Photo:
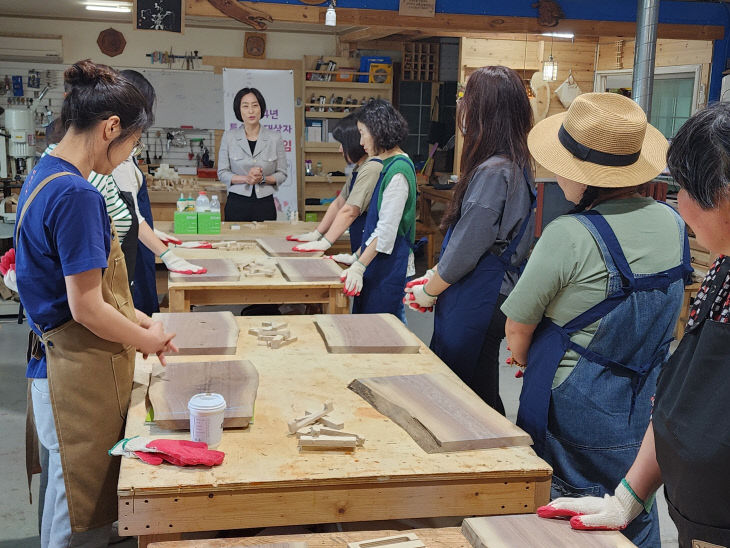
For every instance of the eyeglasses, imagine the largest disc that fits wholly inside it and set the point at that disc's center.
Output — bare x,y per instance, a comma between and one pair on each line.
138,148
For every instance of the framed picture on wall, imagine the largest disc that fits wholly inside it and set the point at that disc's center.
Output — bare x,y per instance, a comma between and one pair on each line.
166,15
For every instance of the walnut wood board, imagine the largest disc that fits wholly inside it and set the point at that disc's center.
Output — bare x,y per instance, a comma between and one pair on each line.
440,414
201,333
281,247
366,334
219,270
171,388
530,530
310,270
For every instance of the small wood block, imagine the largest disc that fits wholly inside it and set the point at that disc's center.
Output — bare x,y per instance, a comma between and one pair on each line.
439,412
281,247
329,424
530,530
296,424
310,270
366,334
171,388
406,540
201,333
219,270
328,441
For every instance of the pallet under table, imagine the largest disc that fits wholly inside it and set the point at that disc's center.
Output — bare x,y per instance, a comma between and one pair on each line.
266,481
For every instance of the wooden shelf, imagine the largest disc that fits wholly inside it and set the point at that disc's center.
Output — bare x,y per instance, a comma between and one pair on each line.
314,146
356,85
324,179
312,114
321,207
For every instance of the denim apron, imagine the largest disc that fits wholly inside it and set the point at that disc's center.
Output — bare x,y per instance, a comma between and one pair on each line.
144,289
590,427
464,310
358,225
385,277
691,430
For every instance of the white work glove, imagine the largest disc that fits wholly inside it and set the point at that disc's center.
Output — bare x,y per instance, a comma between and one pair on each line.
306,237
423,279
320,245
10,280
180,265
607,513
195,245
166,238
417,298
344,258
7,269
352,277
127,446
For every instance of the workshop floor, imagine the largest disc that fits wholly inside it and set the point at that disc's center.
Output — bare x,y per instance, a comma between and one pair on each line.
19,519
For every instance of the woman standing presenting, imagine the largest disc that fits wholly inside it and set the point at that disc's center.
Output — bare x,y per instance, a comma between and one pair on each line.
73,285
376,278
251,161
489,232
349,209
605,286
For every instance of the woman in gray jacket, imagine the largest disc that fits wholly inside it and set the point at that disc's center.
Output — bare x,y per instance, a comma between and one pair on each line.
251,161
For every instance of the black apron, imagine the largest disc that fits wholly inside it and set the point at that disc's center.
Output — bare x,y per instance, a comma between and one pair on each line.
692,428
129,244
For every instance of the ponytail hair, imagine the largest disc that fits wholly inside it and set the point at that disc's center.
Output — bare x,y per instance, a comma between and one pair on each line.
96,92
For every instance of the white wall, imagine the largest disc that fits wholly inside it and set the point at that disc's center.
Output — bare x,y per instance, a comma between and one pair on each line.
79,41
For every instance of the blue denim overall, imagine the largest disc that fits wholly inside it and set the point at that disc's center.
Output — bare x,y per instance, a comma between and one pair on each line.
358,225
384,279
464,310
590,427
144,289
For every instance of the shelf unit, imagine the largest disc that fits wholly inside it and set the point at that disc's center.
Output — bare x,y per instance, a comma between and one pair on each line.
323,186
420,62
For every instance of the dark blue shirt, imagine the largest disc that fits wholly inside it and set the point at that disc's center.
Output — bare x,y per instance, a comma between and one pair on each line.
65,231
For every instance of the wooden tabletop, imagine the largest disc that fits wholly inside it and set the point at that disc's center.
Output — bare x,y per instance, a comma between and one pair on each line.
247,231
435,195
266,480
443,537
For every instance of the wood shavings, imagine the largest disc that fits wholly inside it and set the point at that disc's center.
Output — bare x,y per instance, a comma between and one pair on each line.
272,334
256,268
321,432
232,245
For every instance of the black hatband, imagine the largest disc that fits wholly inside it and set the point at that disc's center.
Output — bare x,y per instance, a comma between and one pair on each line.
594,156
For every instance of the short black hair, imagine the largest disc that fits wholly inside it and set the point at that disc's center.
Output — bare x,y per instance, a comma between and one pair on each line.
387,126
239,96
142,84
699,156
349,137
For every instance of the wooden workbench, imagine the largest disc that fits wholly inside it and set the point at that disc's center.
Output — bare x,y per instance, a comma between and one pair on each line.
251,231
443,537
266,481
252,289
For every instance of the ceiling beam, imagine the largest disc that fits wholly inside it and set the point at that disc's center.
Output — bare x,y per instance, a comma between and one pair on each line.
366,34
455,24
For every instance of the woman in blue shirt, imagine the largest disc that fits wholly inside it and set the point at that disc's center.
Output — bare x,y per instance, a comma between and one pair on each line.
72,282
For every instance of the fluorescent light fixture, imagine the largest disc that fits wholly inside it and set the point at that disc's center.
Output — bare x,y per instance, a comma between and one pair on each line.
559,34
116,7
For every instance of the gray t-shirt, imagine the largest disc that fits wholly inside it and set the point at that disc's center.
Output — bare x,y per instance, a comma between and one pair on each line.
490,217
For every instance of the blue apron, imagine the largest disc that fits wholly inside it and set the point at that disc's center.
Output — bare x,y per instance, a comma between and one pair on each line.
144,289
590,427
358,225
464,310
384,279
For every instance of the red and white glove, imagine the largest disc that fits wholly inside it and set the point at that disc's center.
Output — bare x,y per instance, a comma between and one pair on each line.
195,245
422,280
352,277
306,237
344,258
7,269
180,265
594,513
417,298
166,238
320,245
177,452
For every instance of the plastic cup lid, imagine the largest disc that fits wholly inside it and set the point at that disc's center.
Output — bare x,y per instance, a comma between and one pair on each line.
207,401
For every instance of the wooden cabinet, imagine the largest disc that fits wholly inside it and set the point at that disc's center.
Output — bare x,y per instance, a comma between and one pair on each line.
420,62
329,96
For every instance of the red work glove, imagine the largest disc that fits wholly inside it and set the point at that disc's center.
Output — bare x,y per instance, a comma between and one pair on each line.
166,238
7,269
422,280
184,453
195,245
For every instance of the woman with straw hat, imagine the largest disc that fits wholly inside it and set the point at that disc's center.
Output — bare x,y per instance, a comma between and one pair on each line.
593,314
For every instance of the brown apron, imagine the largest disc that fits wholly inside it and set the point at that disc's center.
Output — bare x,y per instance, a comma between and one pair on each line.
90,381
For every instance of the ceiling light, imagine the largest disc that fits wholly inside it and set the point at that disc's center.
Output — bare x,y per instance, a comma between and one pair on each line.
559,34
116,7
330,18
550,70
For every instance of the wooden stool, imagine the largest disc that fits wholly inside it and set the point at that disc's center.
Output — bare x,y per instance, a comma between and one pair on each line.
431,234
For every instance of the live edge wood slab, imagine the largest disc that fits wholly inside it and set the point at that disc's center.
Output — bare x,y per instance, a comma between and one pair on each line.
366,333
441,414
310,270
266,480
201,333
218,270
281,247
530,530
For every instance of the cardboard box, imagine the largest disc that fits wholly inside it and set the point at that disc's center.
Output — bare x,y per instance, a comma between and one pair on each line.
310,217
186,222
380,73
209,222
365,63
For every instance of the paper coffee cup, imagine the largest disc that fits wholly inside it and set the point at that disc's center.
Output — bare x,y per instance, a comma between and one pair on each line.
206,418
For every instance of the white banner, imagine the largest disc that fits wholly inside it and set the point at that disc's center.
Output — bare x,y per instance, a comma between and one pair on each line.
277,87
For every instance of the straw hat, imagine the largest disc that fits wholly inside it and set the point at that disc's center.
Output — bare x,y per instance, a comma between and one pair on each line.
602,140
